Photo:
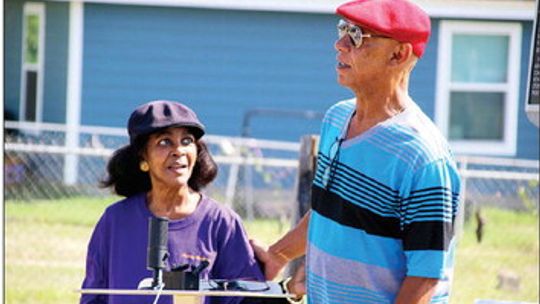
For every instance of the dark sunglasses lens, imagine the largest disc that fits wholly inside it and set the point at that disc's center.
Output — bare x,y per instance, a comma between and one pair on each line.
342,28
356,35
354,32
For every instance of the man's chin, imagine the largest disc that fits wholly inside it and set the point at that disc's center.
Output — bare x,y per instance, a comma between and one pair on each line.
343,82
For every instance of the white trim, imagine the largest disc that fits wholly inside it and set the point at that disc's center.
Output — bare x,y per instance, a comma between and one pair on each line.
468,9
533,111
479,87
482,12
74,88
501,175
31,8
498,161
508,146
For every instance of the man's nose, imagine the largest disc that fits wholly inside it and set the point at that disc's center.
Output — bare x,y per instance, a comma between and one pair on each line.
343,43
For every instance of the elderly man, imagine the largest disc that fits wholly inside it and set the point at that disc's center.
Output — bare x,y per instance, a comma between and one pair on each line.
385,194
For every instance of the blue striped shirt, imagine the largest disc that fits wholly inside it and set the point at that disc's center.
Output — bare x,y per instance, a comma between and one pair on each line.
383,208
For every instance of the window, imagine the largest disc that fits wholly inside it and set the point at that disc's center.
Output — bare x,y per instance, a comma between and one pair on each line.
477,86
32,61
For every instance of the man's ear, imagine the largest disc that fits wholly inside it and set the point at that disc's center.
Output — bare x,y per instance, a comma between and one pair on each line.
401,53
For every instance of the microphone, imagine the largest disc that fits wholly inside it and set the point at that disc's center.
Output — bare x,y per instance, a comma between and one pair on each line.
157,254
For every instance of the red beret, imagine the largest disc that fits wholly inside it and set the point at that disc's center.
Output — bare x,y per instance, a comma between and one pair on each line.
398,19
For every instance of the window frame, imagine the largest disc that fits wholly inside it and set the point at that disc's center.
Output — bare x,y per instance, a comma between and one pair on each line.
33,8
508,145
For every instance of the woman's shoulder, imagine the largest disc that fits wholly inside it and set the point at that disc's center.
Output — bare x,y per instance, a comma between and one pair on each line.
124,206
219,211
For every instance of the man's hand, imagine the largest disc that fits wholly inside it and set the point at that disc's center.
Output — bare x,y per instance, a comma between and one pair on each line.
416,290
273,262
297,284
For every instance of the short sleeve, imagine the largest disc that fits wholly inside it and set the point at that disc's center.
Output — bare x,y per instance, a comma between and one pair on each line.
235,258
96,273
428,215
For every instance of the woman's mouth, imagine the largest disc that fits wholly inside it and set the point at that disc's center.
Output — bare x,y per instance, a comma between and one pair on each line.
178,166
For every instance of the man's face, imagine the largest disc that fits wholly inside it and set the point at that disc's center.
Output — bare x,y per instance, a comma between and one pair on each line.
359,65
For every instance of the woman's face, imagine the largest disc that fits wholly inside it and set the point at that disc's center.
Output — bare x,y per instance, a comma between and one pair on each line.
171,155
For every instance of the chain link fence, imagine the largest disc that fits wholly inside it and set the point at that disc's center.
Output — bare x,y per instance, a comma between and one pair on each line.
257,178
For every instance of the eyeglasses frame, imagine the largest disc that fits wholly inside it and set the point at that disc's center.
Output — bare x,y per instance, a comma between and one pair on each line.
330,171
354,32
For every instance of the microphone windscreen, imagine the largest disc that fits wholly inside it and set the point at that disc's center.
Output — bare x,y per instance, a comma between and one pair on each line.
158,228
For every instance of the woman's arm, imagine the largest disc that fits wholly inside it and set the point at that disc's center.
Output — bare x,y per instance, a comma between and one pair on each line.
95,276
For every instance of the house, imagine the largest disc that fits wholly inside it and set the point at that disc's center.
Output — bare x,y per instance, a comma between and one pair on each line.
91,62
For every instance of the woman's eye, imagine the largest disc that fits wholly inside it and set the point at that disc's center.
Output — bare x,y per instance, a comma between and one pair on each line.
187,141
164,142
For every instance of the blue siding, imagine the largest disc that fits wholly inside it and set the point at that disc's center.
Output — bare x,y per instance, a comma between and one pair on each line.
12,55
528,136
55,65
220,62
55,61
424,76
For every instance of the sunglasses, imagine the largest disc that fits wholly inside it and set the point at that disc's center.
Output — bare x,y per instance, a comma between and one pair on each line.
329,172
355,33
238,285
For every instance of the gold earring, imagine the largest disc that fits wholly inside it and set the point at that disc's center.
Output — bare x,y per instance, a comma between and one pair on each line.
143,165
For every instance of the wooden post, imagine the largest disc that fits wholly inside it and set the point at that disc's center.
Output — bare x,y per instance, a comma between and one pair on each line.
309,147
460,218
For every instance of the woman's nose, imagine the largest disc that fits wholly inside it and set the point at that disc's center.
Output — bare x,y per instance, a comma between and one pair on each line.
179,150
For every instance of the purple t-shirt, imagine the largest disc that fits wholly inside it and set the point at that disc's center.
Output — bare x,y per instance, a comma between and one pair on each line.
117,251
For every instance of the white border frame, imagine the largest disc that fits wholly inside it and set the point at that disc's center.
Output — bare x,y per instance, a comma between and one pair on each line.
37,9
470,9
508,146
532,110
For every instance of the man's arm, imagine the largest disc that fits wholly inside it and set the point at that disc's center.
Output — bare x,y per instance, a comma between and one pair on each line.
291,246
416,290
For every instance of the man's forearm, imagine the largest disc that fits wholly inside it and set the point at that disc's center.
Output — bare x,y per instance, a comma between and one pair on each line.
293,244
416,290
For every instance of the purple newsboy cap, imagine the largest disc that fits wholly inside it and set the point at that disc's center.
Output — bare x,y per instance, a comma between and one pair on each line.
159,114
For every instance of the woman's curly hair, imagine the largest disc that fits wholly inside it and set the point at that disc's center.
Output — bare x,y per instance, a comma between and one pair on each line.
126,179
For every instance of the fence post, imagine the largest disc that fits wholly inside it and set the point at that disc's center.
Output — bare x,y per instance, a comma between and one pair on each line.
73,94
460,219
309,146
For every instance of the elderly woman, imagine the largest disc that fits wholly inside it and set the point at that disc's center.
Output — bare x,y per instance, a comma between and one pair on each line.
161,173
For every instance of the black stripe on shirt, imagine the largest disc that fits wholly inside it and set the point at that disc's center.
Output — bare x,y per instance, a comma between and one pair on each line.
429,235
334,207
420,235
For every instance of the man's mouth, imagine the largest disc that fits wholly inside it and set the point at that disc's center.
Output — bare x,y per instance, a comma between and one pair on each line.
341,65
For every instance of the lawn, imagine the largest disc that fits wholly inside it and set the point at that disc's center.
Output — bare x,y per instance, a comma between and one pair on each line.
509,248
45,245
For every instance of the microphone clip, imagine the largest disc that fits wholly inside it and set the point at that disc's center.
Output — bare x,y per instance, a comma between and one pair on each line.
180,278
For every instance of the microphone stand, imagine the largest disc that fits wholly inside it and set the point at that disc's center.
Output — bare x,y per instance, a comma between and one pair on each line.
157,249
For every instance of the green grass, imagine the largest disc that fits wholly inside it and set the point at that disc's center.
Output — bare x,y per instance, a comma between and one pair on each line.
509,245
45,248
